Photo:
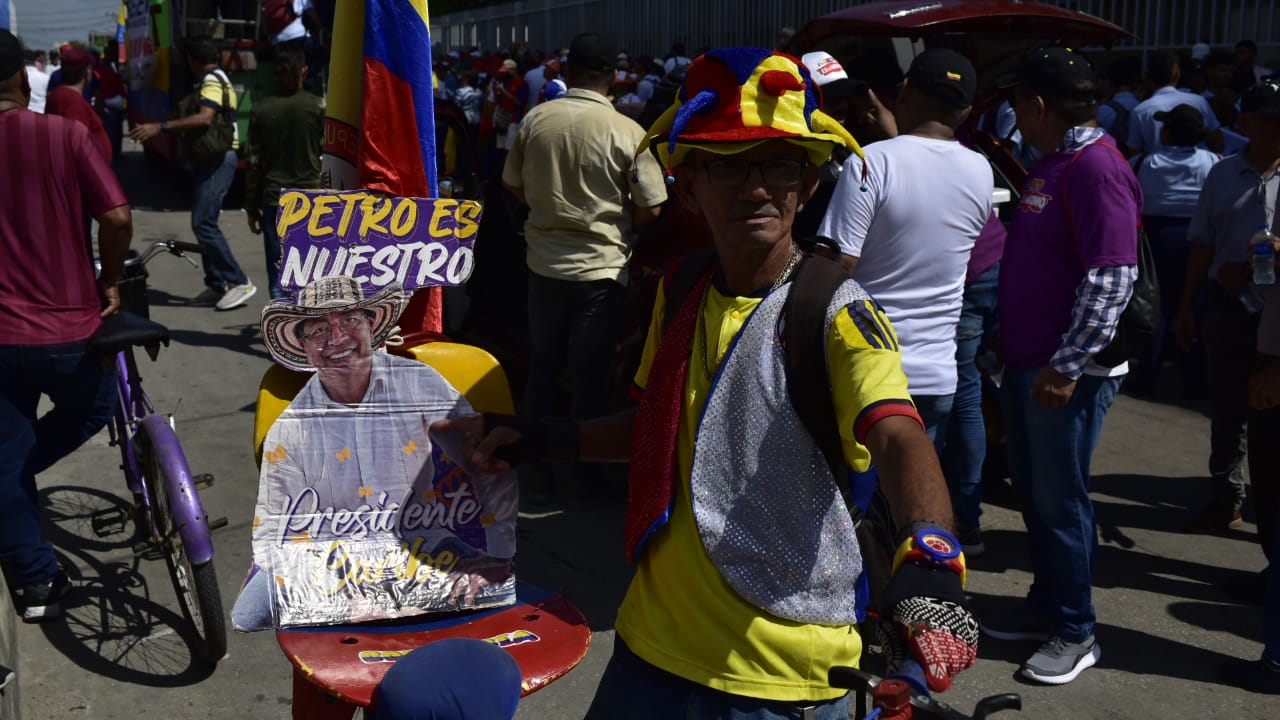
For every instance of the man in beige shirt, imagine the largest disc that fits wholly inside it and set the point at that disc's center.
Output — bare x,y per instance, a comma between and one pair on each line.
571,163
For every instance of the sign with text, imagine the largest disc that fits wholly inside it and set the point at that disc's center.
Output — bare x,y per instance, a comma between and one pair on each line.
378,239
364,513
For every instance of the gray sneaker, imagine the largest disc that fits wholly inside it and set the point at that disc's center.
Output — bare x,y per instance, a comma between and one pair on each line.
1058,662
236,296
1021,624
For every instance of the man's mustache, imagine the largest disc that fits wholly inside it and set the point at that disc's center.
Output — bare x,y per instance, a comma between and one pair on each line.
743,212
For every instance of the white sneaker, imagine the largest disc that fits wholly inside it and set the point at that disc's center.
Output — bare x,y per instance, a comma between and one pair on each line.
236,296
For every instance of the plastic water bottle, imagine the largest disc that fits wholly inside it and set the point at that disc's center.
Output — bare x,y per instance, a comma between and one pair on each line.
1251,297
1264,257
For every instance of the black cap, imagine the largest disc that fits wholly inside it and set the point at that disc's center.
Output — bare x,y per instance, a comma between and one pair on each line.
593,51
1054,73
944,75
1263,98
11,55
1184,123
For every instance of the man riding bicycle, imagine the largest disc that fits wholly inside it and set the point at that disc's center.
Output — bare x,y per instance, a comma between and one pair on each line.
747,558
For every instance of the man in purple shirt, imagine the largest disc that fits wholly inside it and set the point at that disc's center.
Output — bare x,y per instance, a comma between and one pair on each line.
1067,273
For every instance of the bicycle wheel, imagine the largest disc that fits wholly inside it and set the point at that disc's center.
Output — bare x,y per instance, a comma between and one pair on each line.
196,584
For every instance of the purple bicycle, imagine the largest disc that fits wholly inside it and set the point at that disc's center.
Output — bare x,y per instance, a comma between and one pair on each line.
167,513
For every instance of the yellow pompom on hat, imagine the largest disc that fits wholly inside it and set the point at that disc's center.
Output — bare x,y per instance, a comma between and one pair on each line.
736,98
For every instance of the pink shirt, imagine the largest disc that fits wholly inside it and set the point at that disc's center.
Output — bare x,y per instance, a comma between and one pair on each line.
53,177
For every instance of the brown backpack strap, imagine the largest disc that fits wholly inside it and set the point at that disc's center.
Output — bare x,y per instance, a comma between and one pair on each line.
808,380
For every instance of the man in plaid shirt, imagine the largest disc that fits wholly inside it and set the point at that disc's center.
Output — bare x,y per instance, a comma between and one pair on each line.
1067,273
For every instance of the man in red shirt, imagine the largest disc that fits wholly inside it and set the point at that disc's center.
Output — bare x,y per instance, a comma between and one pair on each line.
50,305
68,100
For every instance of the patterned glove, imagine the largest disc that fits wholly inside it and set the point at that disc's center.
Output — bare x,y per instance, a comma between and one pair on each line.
924,611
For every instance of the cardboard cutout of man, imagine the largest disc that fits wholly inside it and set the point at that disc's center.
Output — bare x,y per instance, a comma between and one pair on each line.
360,515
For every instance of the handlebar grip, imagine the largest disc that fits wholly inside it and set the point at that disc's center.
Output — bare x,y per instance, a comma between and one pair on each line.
849,678
185,246
996,703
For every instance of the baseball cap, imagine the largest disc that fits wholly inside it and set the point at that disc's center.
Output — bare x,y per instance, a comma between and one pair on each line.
1200,51
1054,72
10,55
593,51
1184,123
1263,98
829,75
75,58
944,75
508,66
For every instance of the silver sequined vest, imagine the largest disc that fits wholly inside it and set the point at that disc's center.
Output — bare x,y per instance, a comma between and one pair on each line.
769,513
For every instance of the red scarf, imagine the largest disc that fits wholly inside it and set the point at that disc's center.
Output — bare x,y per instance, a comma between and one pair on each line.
651,486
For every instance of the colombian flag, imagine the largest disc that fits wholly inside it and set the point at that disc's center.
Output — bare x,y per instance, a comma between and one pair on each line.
397,151
397,145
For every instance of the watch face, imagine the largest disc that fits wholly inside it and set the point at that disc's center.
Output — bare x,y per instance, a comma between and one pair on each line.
937,544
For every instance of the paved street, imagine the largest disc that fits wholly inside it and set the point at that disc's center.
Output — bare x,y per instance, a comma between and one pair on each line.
1166,623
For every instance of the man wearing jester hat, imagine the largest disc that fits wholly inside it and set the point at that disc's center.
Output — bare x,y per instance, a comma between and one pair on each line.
747,589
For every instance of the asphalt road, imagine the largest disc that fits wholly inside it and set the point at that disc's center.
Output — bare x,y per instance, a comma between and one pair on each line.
1166,623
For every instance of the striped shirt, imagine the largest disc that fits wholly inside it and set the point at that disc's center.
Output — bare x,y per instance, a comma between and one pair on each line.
52,177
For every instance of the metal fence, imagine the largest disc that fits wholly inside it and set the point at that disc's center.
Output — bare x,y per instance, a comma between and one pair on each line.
651,26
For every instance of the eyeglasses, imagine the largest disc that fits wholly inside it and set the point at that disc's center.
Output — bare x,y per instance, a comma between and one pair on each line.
732,172
322,333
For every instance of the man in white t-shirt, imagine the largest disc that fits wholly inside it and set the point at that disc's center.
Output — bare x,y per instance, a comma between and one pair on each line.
907,238
39,81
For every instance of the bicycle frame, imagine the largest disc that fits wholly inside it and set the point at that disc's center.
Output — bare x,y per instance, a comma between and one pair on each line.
135,414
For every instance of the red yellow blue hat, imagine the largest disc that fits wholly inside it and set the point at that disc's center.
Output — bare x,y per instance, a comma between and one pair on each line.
735,98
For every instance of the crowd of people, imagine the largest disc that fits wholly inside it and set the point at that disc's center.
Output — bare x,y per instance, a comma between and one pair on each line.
937,297
1178,156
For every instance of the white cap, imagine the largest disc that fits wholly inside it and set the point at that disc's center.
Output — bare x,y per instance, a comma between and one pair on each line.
823,68
1200,51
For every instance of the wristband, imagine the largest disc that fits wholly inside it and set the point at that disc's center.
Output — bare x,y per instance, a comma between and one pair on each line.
164,126
932,547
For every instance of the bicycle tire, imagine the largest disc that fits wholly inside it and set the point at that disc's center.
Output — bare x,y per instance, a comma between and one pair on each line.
196,585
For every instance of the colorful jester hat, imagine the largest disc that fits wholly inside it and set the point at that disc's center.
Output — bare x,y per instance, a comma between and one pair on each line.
736,98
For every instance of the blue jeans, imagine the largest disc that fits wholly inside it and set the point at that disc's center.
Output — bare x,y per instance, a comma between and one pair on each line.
221,270
1049,455
934,411
632,689
1170,249
271,249
966,437
83,396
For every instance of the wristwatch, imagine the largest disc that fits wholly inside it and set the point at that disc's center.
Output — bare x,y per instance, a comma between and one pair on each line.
934,548
164,126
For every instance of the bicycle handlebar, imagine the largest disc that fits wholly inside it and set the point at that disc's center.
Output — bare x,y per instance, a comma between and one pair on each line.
177,248
905,695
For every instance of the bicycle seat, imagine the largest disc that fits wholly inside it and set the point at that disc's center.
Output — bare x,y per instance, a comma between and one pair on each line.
124,329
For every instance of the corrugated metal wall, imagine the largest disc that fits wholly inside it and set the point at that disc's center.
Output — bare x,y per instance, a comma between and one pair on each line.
650,26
